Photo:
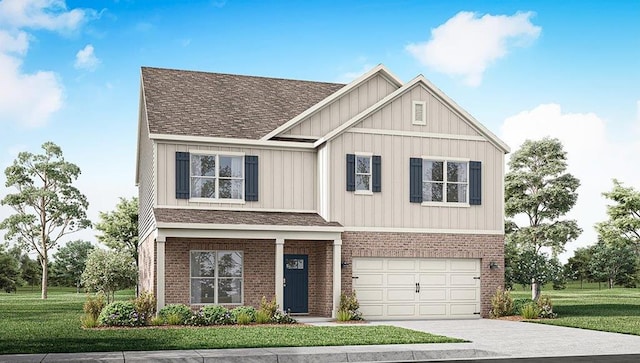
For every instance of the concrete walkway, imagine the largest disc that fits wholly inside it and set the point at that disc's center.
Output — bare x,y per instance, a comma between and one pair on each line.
489,339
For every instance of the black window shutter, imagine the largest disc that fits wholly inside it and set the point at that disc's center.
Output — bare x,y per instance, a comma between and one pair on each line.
351,172
475,183
376,171
251,178
415,180
182,175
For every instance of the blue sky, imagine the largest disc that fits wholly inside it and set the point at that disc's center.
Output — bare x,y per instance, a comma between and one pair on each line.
69,73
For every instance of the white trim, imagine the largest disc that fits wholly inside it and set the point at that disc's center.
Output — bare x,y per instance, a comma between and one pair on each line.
363,192
423,230
231,208
337,276
446,204
334,96
215,152
323,181
423,120
303,137
217,200
279,275
429,135
230,141
247,227
249,234
160,272
444,158
501,192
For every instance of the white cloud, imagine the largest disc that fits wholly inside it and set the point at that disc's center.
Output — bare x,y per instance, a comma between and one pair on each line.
594,157
31,98
347,77
466,44
86,59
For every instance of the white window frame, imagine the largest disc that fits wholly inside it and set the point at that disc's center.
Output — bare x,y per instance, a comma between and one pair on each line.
217,154
445,160
216,278
423,120
370,173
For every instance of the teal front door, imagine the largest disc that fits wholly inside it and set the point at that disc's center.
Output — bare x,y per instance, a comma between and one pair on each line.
296,283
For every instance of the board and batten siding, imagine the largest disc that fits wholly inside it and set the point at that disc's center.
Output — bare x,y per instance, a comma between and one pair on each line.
146,195
344,108
287,178
391,207
397,115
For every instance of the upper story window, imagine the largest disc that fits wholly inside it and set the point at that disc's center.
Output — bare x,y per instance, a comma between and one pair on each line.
217,176
419,113
445,181
363,173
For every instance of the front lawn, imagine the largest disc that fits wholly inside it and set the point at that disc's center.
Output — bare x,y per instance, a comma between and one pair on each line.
30,325
616,310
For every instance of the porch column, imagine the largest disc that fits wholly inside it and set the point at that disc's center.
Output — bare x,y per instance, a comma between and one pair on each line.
280,272
160,241
337,275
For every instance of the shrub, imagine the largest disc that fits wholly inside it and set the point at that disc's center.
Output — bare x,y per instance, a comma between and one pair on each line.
216,315
282,318
530,311
250,311
262,317
145,305
243,318
156,321
93,305
181,314
518,304
349,303
501,303
89,321
545,308
120,313
269,307
343,315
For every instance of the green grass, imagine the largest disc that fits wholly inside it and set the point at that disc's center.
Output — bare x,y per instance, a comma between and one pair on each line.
616,310
31,325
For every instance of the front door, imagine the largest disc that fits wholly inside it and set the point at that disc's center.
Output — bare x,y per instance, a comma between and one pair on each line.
296,283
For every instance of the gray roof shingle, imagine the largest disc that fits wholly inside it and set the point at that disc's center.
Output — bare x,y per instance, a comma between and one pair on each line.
193,103
168,215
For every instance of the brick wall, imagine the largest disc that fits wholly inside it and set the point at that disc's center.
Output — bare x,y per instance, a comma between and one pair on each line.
375,244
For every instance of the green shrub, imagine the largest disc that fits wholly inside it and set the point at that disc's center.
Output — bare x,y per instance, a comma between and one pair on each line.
545,307
120,313
145,305
250,311
156,321
518,304
343,315
182,314
349,303
282,318
501,303
243,318
269,307
215,315
93,305
89,321
530,311
262,317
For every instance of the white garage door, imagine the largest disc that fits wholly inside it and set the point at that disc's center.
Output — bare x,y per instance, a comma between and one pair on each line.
417,288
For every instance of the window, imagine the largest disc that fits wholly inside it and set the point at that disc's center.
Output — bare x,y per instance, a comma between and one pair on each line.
363,173
445,181
216,277
217,176
418,113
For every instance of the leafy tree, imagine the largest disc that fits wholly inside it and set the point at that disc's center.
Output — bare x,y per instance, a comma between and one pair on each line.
70,262
47,206
109,271
614,263
120,228
539,188
578,267
624,216
9,271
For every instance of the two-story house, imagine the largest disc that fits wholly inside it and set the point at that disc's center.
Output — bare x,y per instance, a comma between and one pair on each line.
253,186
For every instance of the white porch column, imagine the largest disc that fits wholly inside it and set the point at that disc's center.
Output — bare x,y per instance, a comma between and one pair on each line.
160,280
280,272
337,275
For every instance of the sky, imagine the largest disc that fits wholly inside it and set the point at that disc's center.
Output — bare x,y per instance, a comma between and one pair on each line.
70,73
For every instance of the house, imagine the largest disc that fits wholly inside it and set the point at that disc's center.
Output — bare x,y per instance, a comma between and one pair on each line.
253,186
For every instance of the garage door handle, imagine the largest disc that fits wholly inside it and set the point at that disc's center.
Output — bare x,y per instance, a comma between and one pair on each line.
417,287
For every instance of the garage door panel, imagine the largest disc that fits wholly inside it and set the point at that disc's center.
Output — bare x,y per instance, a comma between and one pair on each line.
433,279
401,264
432,265
401,310
433,310
401,294
427,294
394,279
372,311
464,294
367,295
368,264
369,280
464,265
464,280
463,309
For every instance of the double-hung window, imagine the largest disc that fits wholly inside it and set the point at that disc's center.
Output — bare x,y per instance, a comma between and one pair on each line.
216,277
363,173
445,181
217,176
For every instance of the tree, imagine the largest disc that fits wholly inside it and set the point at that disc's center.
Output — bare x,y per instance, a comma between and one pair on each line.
578,267
539,188
47,205
120,228
624,216
70,262
9,271
614,263
109,271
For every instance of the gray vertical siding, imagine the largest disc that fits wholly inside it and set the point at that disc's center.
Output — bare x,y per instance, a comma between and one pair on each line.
146,192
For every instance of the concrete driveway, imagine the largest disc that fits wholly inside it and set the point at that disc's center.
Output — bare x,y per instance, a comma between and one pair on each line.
519,339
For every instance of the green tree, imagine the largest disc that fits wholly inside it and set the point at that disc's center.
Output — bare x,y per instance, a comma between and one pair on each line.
47,206
578,267
539,188
109,271
120,228
9,271
624,216
70,261
615,263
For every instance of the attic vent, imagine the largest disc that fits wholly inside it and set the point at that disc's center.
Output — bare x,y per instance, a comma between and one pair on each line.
419,113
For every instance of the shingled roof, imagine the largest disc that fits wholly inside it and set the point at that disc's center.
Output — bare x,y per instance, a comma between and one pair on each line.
168,215
224,105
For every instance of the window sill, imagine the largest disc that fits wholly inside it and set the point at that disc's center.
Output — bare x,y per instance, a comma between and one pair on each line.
444,204
363,192
221,201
